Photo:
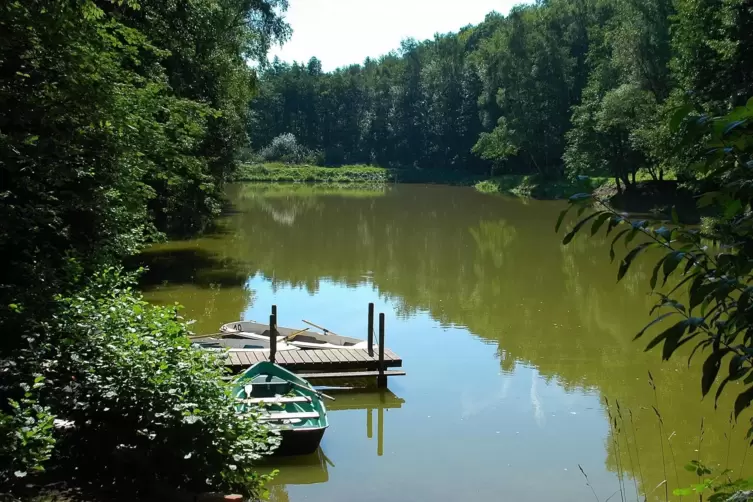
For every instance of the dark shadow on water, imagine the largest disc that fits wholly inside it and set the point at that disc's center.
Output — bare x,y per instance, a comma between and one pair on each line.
186,266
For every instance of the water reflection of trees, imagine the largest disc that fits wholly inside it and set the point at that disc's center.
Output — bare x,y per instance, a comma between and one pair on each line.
495,266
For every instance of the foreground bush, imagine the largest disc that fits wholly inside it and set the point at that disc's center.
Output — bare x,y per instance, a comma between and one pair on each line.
139,403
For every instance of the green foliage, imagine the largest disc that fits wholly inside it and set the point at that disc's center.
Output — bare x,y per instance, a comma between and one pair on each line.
139,403
276,172
121,119
26,432
562,88
711,295
538,187
285,148
721,487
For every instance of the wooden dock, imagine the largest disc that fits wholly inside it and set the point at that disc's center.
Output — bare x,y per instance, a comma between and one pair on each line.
326,363
306,361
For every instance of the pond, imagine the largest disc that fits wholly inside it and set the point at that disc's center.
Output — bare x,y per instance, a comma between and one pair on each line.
510,341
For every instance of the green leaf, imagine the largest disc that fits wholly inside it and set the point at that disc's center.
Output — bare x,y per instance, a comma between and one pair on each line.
732,207
613,223
730,127
743,401
671,263
655,273
614,241
576,229
673,332
736,370
679,115
707,199
682,492
664,232
561,219
652,323
599,222
625,264
711,369
580,197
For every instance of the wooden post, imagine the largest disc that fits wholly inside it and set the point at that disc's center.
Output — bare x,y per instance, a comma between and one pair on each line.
381,379
272,337
370,335
274,310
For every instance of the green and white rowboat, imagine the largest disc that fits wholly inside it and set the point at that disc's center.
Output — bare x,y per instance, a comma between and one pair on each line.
287,403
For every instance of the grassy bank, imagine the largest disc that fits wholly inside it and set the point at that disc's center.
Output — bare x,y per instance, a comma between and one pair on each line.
281,173
538,188
278,172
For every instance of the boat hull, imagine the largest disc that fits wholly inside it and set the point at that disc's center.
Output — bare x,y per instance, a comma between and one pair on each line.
286,403
299,441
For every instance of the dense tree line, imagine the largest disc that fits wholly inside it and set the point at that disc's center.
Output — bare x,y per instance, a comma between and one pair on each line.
574,87
118,120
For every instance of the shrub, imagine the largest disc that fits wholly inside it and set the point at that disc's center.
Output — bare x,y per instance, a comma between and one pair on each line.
144,405
26,440
285,148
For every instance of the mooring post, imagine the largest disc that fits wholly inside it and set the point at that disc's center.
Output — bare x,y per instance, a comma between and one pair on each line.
272,336
274,310
381,379
369,423
370,335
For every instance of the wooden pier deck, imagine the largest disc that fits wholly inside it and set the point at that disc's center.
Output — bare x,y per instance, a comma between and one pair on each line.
306,361
326,363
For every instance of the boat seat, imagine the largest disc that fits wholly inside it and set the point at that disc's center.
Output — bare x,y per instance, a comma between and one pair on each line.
273,417
275,400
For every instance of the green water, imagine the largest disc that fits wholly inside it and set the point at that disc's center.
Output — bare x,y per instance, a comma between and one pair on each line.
510,341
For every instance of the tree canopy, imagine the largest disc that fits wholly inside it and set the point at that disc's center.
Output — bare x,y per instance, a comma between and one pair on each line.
562,87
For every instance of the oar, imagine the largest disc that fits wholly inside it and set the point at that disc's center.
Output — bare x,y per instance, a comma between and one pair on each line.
320,394
326,331
290,337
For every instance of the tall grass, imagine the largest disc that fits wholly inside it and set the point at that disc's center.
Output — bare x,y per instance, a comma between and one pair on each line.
624,441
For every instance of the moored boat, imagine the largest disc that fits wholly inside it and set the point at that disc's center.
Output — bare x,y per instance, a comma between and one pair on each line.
239,341
286,402
301,338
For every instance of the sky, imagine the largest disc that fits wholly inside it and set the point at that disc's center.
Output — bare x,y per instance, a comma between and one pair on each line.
343,32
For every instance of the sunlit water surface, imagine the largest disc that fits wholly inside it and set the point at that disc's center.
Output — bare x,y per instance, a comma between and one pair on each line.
510,340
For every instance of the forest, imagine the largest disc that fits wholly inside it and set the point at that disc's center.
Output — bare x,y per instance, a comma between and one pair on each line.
555,88
119,121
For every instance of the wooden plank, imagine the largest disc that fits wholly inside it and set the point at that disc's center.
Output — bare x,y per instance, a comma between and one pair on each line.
362,355
349,374
337,355
296,356
243,359
282,358
232,360
348,355
287,416
390,353
326,356
314,356
275,400
305,356
357,355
